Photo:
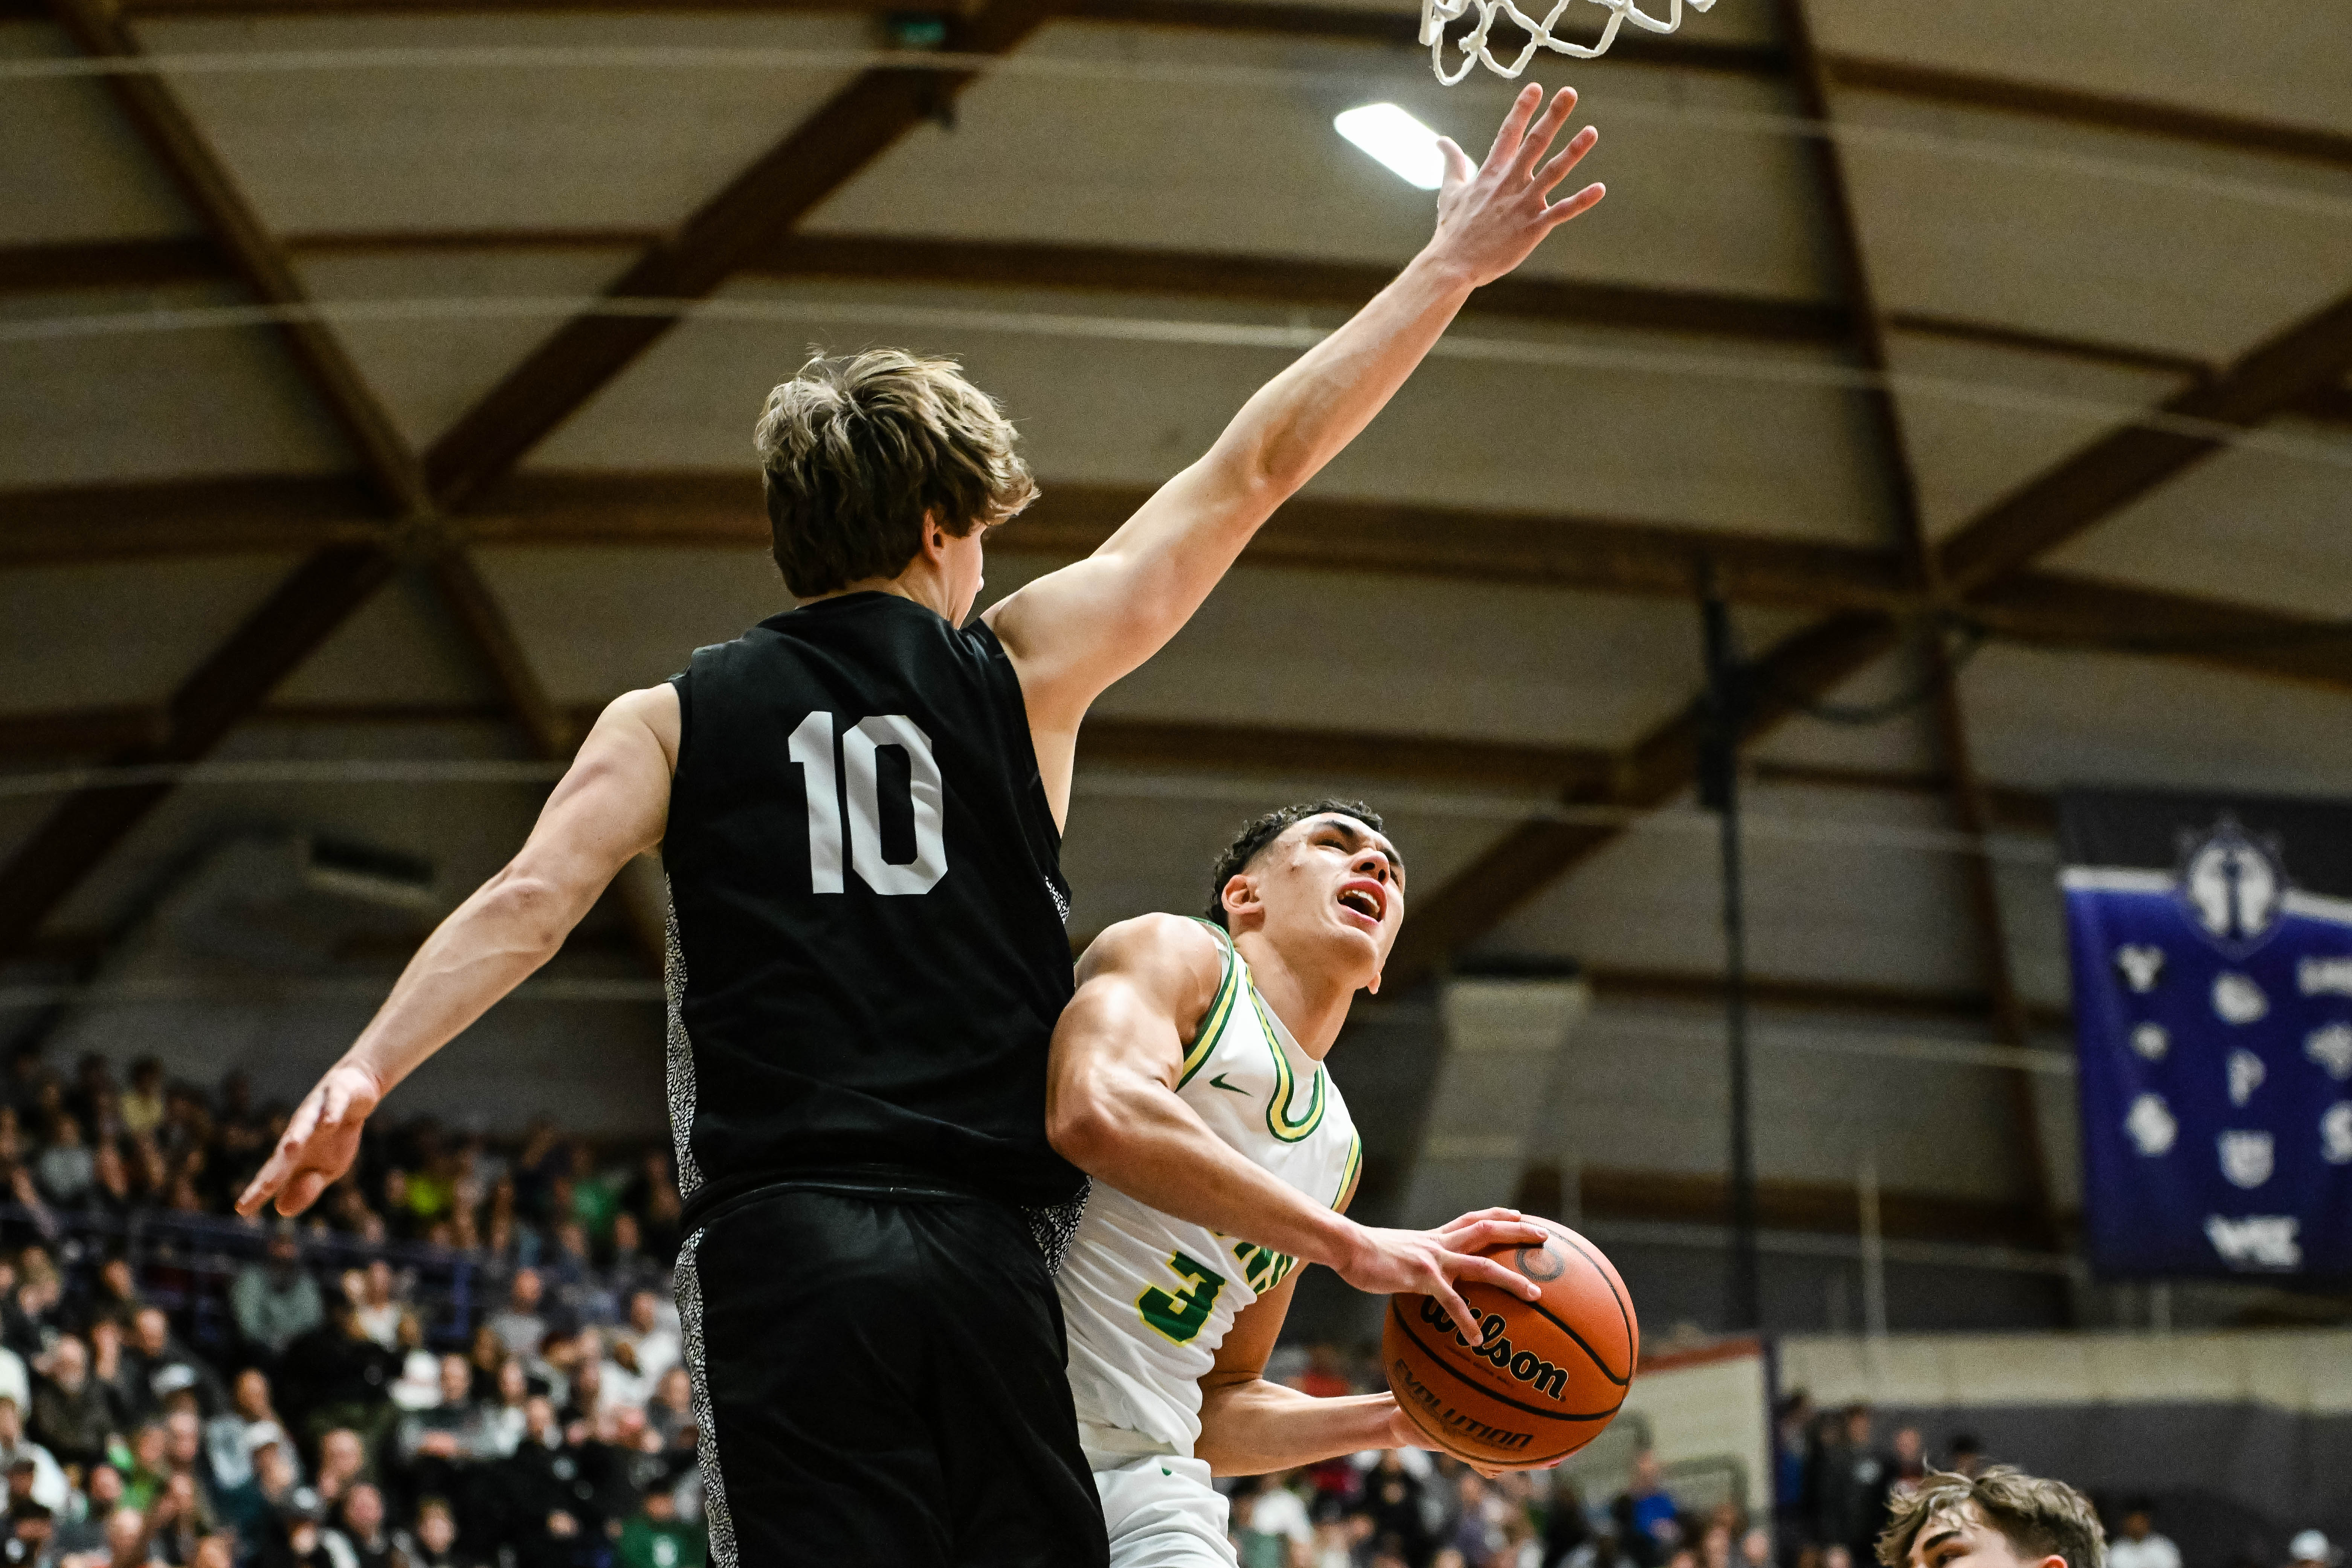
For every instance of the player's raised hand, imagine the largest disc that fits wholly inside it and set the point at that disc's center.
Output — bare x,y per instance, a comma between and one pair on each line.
1492,214
320,1144
1430,1262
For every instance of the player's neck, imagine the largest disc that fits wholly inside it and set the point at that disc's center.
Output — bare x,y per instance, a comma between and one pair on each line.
1312,999
924,587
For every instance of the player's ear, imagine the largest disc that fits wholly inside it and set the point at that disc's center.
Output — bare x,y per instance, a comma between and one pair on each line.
1239,897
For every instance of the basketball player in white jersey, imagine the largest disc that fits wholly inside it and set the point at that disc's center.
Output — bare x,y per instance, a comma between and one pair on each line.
1187,1079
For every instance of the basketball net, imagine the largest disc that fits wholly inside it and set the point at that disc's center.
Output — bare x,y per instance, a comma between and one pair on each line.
1436,13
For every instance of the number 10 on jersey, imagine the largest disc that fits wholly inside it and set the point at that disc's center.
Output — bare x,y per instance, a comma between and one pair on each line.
811,747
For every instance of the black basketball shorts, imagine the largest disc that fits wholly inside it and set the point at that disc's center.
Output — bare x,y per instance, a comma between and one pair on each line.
880,1383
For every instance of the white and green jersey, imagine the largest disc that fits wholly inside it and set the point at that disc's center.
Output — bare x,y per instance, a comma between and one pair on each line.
1148,1297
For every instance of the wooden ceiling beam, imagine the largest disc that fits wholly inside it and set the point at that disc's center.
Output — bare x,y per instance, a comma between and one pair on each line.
308,606
162,519
235,229
1992,551
1140,744
89,525
748,219
1535,854
1283,280
114,265
1970,811
2303,361
2081,614
304,611
2102,111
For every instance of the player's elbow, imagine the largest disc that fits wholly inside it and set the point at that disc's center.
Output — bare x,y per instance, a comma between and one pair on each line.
1085,1126
528,912
1081,1128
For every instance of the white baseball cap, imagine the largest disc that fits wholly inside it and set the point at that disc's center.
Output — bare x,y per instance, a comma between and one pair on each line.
2311,1546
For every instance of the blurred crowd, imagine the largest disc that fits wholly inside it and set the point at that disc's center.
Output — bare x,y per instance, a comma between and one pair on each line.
466,1356
1832,1486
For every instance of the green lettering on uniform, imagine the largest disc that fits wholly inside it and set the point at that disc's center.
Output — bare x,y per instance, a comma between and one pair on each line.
1179,1316
1262,1265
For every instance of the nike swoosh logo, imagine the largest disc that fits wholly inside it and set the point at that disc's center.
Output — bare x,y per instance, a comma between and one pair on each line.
1219,1083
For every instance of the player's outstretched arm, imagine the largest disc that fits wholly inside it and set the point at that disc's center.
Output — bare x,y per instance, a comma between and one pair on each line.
1112,1110
610,807
1075,631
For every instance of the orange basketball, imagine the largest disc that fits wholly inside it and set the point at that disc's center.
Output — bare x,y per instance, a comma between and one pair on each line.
1551,1373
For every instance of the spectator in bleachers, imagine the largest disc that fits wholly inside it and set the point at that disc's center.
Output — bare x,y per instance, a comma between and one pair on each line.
506,1414
159,1365
67,1170
378,1306
434,1542
47,1486
118,1296
275,1300
654,1537
357,1538
1849,1484
338,1377
2312,1548
1651,1525
116,1361
127,1543
2135,1543
520,1326
73,1413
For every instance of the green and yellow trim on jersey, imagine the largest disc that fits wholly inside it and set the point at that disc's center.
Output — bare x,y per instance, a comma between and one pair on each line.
1286,1083
1349,1171
1212,1022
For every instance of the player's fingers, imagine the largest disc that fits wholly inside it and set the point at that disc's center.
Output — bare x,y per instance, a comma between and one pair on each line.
1513,127
301,1192
1486,1271
1584,201
1489,1233
1461,1223
1459,169
265,1182
1553,172
1539,135
1458,1310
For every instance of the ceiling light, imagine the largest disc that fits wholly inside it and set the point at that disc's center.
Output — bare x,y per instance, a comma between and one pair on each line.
1407,146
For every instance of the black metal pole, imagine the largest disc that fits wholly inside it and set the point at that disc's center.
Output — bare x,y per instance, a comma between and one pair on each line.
1726,704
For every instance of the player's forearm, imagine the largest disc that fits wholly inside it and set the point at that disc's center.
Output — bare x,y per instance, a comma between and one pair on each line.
1136,1136
488,946
1257,1428
1303,418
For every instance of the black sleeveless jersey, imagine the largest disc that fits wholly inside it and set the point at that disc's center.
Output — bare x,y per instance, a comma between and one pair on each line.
867,951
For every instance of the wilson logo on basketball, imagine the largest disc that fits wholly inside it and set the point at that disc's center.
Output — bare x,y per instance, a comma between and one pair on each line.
1525,1366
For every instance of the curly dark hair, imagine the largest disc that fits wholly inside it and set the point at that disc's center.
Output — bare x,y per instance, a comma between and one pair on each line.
1257,834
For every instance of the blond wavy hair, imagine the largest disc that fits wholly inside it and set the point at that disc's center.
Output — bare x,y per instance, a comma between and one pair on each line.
855,451
2039,1518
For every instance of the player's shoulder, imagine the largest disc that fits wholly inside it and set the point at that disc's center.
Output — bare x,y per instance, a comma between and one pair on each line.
1168,947
654,710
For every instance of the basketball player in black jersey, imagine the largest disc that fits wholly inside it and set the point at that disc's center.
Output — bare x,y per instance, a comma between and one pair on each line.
859,804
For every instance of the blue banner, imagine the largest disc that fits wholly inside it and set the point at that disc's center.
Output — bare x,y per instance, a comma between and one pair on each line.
2211,945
